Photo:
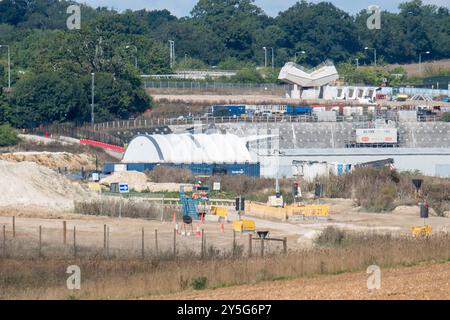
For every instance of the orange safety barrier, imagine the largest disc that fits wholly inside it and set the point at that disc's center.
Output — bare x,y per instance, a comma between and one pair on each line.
102,145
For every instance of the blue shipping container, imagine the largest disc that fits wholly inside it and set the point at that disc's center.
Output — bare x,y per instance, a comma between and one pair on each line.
298,110
228,111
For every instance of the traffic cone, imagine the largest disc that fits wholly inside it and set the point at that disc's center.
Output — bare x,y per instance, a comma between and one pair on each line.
198,233
174,219
222,228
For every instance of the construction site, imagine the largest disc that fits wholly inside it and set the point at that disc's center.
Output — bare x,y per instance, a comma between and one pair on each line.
182,205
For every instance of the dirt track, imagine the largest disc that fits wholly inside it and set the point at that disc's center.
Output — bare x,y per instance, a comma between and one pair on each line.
420,282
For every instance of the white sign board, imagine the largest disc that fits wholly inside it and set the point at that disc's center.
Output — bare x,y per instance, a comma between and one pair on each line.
216,186
375,135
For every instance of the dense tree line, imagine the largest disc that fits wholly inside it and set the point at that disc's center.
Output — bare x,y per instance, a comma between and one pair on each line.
52,66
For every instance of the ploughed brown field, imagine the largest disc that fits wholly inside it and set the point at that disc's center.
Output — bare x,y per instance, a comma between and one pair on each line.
427,281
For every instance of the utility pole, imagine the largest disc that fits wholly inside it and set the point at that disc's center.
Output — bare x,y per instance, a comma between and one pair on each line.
92,98
9,65
265,57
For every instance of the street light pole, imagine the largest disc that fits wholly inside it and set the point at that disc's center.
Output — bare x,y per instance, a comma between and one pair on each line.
172,53
135,57
9,65
273,60
301,52
265,57
374,54
92,98
420,60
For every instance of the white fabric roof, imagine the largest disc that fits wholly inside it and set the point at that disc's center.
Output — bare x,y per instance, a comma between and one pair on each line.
187,148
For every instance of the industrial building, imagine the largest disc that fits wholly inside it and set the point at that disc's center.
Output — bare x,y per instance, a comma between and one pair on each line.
203,154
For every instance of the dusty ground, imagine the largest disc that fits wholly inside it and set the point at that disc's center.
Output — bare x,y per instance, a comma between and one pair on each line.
126,233
429,281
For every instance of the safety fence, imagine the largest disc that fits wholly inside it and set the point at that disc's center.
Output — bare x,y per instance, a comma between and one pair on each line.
216,86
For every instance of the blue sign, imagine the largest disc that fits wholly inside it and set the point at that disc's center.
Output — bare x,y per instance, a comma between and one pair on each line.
123,188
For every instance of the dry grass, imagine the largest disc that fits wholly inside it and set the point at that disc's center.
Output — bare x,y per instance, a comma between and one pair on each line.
127,208
122,278
381,190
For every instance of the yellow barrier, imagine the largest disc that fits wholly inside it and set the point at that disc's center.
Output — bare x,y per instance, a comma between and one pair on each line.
94,186
311,210
422,231
220,212
244,225
267,212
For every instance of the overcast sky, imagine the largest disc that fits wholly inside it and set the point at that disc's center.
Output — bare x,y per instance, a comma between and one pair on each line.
271,7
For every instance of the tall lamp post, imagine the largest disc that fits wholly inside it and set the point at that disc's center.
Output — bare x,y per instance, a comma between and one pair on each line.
420,60
273,60
92,98
172,53
135,57
9,65
265,57
299,52
374,54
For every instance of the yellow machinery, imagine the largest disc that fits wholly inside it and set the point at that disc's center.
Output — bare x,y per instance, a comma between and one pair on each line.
219,211
244,226
422,231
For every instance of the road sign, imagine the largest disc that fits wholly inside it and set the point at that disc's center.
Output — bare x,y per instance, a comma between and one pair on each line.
123,188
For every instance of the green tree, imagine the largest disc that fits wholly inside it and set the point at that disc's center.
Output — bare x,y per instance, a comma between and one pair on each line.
46,98
8,136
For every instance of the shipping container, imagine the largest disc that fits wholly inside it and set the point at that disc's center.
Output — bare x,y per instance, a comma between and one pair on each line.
298,110
228,110
376,135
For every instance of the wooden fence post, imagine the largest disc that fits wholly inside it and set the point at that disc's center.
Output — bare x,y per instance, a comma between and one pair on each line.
262,247
75,242
14,226
174,242
234,243
107,242
40,241
4,240
203,244
285,245
143,244
104,238
64,232
156,241
250,245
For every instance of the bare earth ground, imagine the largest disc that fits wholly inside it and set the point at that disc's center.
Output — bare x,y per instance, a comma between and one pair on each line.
428,281
126,233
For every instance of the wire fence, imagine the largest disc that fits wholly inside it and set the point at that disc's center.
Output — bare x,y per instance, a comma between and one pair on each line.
80,239
216,87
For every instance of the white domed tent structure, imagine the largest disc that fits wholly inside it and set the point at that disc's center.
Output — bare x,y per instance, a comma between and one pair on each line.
207,154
